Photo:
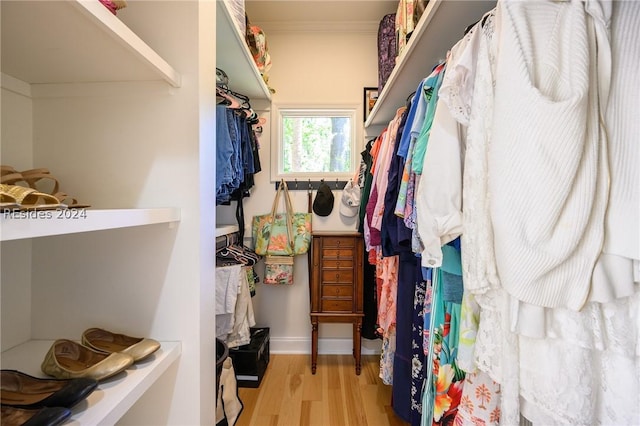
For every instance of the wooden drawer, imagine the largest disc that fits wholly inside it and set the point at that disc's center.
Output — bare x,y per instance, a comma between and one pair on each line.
337,276
331,290
337,253
339,242
338,263
335,305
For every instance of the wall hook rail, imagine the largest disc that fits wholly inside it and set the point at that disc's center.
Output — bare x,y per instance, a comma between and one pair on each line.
312,185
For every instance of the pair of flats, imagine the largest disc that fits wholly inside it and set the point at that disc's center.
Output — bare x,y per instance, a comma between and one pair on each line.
102,354
77,368
34,401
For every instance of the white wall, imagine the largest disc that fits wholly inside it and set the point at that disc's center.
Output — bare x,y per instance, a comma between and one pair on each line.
15,277
313,68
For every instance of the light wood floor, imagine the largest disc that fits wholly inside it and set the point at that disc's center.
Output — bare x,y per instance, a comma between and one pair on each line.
290,395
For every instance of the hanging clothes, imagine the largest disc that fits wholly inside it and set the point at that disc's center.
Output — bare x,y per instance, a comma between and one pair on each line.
445,380
516,327
370,297
234,307
237,158
394,237
549,191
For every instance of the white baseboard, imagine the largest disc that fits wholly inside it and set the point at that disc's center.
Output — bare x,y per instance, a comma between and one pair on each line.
301,345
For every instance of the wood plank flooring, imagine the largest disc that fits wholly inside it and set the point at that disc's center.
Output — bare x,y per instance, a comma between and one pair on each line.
290,395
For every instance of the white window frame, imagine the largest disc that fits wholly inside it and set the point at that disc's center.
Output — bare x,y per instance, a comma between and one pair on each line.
288,110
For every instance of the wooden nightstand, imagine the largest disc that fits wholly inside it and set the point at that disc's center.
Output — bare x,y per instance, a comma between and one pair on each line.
335,286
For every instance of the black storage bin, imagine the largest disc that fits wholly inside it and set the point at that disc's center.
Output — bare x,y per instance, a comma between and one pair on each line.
250,361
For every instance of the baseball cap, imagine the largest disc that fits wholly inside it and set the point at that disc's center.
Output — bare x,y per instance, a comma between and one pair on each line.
350,202
323,203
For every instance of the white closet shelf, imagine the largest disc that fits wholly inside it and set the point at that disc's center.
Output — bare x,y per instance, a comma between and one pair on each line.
222,230
78,41
23,225
114,396
235,59
442,24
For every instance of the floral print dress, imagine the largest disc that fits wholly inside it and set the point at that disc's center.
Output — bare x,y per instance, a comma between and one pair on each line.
445,380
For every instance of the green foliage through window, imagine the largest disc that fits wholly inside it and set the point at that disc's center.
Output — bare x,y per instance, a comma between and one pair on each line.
316,144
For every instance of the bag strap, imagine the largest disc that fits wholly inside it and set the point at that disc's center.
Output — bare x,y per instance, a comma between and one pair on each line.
273,209
290,219
282,188
276,200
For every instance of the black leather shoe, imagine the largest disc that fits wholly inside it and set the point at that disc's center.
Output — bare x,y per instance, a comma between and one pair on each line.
19,389
46,416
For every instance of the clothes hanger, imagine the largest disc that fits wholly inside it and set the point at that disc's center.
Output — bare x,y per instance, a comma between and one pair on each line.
244,254
243,98
257,127
252,117
238,101
228,100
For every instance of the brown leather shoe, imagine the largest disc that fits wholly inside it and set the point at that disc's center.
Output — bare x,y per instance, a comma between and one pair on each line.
19,389
67,359
46,416
105,341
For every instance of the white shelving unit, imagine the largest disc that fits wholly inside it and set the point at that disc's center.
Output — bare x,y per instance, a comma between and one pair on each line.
440,27
43,223
64,47
234,58
222,230
81,44
115,395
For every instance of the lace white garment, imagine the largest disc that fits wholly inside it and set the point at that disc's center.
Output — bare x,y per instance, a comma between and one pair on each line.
478,261
467,89
456,90
585,368
475,69
586,371
590,373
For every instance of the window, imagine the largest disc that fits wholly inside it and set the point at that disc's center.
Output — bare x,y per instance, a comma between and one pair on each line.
314,143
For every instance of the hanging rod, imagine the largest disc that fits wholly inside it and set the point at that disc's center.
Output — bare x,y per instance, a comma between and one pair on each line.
303,185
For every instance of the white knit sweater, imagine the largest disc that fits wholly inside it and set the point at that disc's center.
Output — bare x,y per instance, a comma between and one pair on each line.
548,173
623,127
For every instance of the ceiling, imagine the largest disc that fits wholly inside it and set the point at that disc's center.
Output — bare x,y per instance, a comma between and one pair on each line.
318,15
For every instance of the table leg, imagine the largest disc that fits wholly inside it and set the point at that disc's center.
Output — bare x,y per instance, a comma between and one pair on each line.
314,344
357,344
353,338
